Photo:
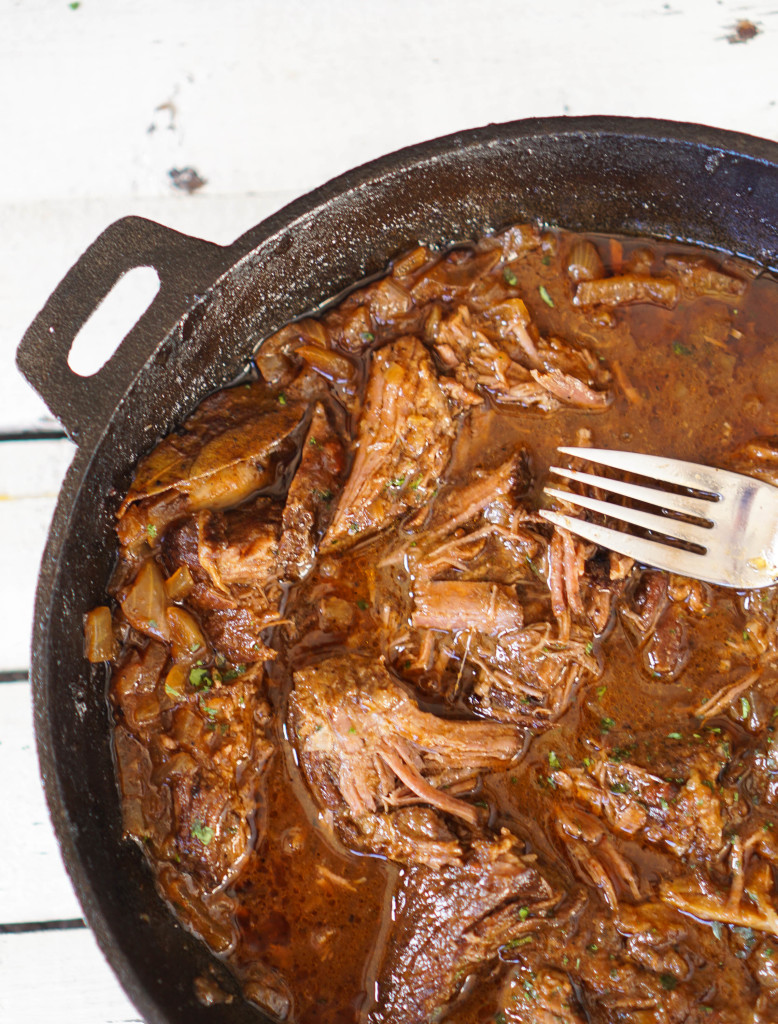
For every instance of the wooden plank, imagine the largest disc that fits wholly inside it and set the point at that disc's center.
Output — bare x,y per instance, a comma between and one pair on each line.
34,885
31,473
59,977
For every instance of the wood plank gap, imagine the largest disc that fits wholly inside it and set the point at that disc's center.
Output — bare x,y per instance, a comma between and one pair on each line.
44,434
42,926
15,675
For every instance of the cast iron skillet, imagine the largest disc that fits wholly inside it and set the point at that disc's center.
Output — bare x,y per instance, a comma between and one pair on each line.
671,181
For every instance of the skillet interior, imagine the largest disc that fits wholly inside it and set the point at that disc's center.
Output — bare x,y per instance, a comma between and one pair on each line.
666,180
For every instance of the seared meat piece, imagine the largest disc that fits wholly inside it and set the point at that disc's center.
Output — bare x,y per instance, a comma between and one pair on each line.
403,444
241,545
311,498
699,277
451,923
364,744
544,996
481,356
679,810
627,288
758,458
189,757
409,835
452,278
528,676
644,963
487,489
223,452
450,605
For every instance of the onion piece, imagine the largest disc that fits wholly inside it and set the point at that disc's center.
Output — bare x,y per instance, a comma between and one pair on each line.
185,633
329,364
584,263
179,584
175,682
145,603
99,641
412,261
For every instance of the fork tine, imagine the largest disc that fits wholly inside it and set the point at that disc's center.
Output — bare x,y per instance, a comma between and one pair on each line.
649,552
672,471
689,532
689,506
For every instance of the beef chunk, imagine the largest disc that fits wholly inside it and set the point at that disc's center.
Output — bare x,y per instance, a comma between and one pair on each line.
311,498
403,444
451,605
365,745
451,923
240,546
232,558
189,766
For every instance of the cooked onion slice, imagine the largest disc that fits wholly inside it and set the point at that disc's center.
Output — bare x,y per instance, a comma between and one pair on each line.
145,603
99,641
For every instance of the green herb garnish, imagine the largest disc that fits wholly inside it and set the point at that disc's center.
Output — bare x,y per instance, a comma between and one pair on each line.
545,296
200,679
669,981
680,349
510,277
202,832
553,760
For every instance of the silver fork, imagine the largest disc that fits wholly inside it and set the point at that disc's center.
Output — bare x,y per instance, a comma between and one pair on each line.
736,517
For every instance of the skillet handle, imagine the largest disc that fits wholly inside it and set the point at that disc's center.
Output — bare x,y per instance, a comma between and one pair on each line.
186,267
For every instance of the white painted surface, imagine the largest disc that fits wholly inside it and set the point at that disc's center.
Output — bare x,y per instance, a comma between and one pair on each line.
266,100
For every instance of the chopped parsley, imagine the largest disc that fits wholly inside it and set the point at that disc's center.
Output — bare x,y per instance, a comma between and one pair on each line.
745,708
553,760
362,605
674,736
545,296
523,913
606,724
151,531
200,679
171,691
202,832
510,277
234,672
367,336
680,349
669,981
282,399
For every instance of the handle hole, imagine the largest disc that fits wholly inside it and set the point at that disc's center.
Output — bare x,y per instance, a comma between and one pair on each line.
112,320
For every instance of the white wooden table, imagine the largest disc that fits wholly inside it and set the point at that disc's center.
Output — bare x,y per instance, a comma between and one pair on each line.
265,100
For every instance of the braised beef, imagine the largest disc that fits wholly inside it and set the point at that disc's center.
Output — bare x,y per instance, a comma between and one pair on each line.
396,749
